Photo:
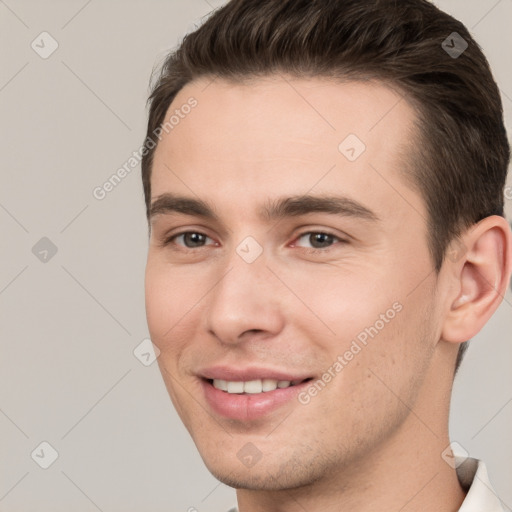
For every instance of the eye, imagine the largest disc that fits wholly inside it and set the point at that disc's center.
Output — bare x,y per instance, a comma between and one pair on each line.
190,239
319,240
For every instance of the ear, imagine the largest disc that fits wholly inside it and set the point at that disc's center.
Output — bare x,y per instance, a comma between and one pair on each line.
480,268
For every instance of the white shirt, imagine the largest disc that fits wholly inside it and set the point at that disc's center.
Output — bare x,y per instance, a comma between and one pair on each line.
473,478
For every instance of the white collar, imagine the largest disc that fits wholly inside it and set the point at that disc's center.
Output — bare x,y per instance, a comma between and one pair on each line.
474,479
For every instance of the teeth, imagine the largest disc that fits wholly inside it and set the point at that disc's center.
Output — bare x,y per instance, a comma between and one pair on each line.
220,384
235,387
251,386
269,384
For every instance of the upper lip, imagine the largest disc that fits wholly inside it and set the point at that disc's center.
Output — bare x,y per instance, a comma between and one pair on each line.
238,374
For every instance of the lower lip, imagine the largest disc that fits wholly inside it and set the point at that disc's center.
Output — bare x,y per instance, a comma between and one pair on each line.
248,407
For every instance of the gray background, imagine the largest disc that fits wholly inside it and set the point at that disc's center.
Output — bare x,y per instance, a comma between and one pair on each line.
69,325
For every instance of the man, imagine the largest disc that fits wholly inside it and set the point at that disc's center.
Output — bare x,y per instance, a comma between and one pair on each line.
324,184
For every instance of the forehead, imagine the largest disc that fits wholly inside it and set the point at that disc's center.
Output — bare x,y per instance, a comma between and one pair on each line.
281,134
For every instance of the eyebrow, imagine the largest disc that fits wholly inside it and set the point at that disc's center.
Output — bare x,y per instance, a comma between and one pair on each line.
271,210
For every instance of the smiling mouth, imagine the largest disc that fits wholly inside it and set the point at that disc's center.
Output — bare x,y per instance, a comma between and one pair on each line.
252,387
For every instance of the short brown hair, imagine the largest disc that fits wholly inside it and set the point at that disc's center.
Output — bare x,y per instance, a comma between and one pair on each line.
460,164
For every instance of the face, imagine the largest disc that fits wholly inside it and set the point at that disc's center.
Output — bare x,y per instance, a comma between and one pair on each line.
289,286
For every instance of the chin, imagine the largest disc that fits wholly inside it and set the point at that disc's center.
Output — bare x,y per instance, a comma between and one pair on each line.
262,480
270,473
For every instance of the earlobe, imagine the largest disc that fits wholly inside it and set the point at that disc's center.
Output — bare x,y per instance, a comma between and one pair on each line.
481,278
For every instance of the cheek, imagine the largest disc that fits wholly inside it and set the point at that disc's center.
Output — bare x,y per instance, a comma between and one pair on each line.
344,304
392,364
159,303
371,394
368,322
170,297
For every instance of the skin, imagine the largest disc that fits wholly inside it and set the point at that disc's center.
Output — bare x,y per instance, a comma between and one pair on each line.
372,438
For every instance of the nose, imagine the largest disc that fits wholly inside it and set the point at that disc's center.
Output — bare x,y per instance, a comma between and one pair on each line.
245,302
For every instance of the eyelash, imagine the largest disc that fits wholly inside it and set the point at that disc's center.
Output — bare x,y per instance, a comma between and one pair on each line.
313,250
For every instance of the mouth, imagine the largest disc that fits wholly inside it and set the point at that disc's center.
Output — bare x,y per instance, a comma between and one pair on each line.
254,399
